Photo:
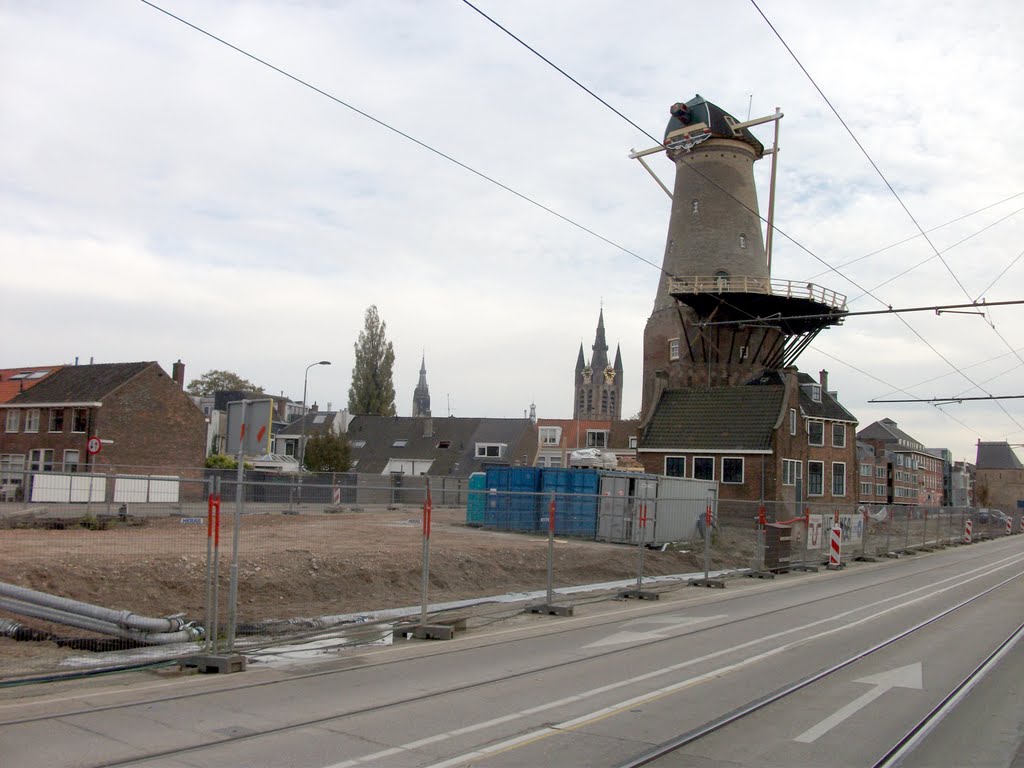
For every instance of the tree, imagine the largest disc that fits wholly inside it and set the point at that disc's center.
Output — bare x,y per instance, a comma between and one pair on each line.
328,452
219,381
373,390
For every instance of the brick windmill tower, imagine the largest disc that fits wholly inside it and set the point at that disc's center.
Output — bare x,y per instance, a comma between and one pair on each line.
719,318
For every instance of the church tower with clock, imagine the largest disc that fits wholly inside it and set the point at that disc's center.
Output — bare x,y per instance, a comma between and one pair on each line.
598,386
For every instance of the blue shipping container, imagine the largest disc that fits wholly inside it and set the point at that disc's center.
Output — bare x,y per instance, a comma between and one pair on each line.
512,502
576,500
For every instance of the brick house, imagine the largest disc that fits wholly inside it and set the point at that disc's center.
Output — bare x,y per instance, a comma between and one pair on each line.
142,415
914,475
558,438
999,477
783,438
872,474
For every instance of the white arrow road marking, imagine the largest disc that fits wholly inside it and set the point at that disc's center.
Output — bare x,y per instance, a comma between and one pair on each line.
671,624
904,677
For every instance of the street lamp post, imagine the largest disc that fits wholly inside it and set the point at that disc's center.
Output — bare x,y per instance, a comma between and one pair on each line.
302,440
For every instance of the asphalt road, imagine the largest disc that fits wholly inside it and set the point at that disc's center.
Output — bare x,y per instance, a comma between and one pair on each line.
601,688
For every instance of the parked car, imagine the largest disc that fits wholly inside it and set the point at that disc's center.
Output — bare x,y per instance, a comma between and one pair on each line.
986,515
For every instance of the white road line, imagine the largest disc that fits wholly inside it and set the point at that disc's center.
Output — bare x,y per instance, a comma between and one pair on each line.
536,735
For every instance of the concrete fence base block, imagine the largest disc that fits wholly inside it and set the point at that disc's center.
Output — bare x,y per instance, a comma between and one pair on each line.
711,583
550,610
808,568
639,594
216,664
428,631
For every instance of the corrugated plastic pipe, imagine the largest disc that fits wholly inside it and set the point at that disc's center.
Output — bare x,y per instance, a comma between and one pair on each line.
184,635
119,618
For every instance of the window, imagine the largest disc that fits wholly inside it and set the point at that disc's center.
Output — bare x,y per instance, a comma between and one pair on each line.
732,470
838,478
40,459
400,443
695,206
79,419
865,489
12,468
879,471
12,420
865,470
743,240
550,435
838,435
675,466
489,450
358,443
554,461
632,442
815,433
597,438
56,419
703,467
444,444
816,393
744,352
673,349
792,421
791,471
880,490
71,460
32,420
815,478
604,401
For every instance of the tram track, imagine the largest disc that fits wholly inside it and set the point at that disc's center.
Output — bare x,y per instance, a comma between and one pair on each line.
1008,561
894,755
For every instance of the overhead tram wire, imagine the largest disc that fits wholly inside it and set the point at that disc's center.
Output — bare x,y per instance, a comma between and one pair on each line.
1000,276
403,134
479,173
946,250
902,205
914,237
736,200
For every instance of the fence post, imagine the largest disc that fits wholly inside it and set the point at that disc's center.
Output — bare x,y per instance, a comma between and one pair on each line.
709,519
906,539
239,498
549,607
209,568
423,630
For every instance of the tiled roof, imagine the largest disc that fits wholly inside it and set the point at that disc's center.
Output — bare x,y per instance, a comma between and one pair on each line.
886,431
13,381
81,383
828,408
450,442
997,456
719,418
315,423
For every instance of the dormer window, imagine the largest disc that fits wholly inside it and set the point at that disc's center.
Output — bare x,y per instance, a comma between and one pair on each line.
816,393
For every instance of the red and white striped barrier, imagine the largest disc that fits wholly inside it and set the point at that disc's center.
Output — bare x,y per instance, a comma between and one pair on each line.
336,495
967,531
1009,526
834,546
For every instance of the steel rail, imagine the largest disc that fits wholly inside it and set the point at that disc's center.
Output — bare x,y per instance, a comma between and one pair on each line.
667,747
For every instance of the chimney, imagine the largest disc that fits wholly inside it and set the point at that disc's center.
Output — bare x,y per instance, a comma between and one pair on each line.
314,408
823,380
428,427
178,373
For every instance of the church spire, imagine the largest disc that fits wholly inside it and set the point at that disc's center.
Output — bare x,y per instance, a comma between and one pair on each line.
599,360
421,397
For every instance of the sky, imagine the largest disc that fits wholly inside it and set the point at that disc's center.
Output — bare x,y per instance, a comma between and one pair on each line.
164,196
